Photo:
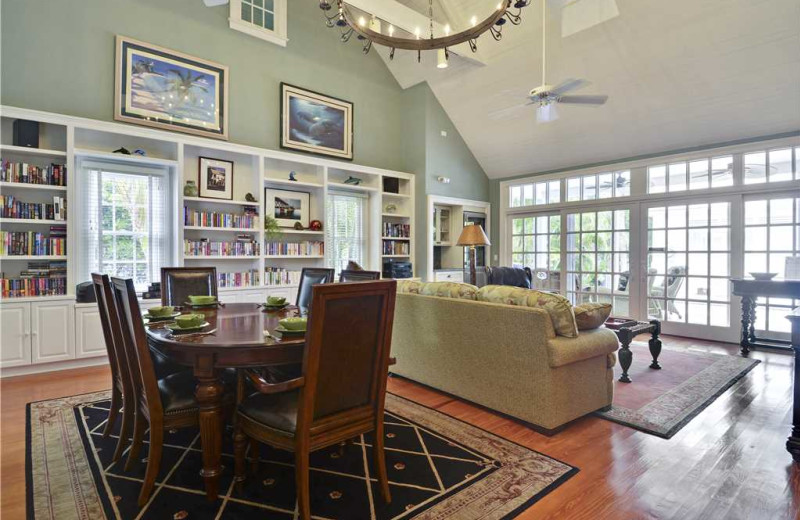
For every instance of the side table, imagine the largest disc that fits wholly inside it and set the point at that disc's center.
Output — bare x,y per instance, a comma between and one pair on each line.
626,333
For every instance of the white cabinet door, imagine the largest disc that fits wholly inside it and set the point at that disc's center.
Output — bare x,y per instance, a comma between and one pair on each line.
15,334
258,296
448,276
89,340
52,331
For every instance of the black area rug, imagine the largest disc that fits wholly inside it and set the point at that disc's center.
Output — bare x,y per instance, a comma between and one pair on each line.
439,467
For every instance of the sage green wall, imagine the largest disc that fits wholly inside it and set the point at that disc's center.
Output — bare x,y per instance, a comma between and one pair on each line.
58,56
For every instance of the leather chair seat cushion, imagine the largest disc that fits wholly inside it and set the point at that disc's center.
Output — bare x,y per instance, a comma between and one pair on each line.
177,392
513,276
277,411
164,366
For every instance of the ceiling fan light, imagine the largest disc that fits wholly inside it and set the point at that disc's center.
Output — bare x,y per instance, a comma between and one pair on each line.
546,113
441,59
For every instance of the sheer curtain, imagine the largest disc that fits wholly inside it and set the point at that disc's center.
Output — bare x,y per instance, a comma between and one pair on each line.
345,235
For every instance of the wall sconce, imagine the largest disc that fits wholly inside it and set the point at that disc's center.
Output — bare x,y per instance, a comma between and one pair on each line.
443,180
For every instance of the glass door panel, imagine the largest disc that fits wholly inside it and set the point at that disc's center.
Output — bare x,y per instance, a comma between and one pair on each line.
536,243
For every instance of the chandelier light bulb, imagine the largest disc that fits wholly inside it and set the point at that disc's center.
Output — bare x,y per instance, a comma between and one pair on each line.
361,21
391,30
473,20
417,32
441,59
447,30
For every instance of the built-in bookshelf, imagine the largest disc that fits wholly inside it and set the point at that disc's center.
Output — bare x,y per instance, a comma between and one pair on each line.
397,220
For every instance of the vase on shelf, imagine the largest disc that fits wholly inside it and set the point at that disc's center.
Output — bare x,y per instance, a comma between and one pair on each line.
190,189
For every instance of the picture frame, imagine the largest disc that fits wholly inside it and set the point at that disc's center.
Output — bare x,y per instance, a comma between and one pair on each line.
149,82
215,178
288,207
315,123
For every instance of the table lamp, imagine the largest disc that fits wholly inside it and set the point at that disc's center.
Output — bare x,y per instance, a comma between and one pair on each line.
472,235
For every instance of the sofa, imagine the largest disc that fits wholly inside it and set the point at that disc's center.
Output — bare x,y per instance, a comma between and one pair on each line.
508,356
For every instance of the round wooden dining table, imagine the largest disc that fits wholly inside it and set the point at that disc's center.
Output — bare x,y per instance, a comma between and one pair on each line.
244,337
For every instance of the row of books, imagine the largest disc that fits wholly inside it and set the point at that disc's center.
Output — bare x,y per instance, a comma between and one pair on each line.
192,217
39,279
308,248
24,173
392,247
205,247
241,279
396,230
29,243
13,208
281,276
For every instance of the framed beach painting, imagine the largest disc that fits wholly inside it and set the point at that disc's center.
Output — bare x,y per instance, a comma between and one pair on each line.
316,123
170,90
216,178
288,207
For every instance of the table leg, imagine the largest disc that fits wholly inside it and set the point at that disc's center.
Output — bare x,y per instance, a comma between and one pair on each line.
209,399
793,444
655,344
625,355
748,314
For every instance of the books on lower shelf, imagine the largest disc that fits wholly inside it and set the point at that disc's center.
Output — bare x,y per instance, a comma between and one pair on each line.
241,279
280,276
29,243
396,230
305,248
193,217
41,278
245,245
393,247
24,173
13,208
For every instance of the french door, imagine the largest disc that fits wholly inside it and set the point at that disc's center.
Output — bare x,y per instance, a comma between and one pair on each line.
686,263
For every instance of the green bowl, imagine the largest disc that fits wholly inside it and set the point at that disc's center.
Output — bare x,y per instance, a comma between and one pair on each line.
295,323
276,300
189,320
202,299
160,312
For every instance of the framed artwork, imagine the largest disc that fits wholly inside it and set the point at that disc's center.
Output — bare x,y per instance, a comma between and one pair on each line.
216,178
287,207
166,89
315,123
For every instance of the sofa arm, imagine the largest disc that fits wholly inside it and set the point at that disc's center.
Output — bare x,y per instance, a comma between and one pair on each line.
589,344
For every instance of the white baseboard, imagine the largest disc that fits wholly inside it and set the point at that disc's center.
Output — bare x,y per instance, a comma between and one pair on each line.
53,367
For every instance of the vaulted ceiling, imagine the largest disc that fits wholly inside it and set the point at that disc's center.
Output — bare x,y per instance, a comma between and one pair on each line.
679,73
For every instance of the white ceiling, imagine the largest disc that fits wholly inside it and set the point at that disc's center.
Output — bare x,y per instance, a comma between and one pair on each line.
679,73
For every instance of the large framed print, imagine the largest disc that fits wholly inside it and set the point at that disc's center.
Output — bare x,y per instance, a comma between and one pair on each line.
316,123
288,207
216,178
170,90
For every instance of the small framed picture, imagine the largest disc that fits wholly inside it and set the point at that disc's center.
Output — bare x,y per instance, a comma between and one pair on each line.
316,123
170,90
288,207
216,178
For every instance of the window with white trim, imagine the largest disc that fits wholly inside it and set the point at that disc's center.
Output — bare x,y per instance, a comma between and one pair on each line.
699,174
535,194
771,166
125,228
536,244
605,185
345,235
265,19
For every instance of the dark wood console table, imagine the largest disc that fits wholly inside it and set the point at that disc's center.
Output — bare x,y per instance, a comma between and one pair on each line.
749,290
793,444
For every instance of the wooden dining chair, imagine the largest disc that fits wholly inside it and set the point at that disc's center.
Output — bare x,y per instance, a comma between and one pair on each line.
358,276
309,277
178,283
162,404
341,391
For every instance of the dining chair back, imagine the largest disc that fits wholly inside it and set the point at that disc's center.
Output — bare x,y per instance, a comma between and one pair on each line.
122,393
178,283
309,277
347,275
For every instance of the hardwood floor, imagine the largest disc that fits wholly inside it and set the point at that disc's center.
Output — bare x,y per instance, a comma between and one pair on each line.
729,462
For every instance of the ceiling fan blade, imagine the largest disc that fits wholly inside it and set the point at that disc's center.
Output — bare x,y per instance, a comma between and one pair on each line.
583,100
567,85
214,3
546,113
512,111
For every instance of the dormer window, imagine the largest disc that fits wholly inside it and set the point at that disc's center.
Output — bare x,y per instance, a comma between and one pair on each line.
265,19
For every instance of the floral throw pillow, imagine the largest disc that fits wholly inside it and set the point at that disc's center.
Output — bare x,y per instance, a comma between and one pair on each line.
409,286
463,291
591,315
558,307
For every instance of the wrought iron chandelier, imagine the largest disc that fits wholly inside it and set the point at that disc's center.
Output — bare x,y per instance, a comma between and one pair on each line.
370,29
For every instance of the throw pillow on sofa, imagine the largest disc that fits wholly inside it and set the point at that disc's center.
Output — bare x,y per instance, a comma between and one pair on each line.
409,286
591,315
462,291
558,307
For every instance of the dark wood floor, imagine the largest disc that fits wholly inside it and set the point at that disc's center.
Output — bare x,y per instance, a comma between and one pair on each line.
728,463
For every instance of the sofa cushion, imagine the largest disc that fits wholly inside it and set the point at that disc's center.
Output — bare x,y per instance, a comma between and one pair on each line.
558,307
591,315
409,286
590,344
462,291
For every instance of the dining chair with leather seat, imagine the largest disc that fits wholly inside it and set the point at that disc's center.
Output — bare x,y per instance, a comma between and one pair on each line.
178,283
161,404
358,276
340,393
309,277
513,276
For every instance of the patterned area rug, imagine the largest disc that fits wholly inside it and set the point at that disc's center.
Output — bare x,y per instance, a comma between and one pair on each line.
439,467
661,402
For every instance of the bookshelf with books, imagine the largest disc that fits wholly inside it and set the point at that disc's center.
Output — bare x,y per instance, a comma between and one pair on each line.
397,218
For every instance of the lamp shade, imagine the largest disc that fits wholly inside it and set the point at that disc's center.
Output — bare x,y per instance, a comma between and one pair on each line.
473,235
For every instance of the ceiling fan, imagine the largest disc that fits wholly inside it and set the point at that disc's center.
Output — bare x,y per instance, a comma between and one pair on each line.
214,3
546,97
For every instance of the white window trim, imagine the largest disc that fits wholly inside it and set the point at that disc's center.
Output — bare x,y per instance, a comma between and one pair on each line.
279,36
329,248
